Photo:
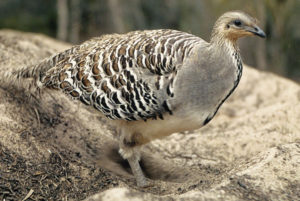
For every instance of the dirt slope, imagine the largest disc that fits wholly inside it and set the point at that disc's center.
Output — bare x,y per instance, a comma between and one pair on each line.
57,149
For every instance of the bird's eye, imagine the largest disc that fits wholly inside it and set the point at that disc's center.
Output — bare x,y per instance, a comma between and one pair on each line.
237,23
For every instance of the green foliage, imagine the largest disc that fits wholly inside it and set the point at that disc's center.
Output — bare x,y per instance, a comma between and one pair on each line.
33,15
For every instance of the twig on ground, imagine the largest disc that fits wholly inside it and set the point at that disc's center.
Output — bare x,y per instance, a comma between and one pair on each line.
28,194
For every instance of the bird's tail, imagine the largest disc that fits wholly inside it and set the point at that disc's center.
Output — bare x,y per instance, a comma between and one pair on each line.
28,79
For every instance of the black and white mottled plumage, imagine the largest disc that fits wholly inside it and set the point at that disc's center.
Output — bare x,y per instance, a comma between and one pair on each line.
149,83
123,75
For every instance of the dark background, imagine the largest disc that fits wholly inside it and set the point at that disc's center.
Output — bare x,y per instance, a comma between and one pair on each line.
77,20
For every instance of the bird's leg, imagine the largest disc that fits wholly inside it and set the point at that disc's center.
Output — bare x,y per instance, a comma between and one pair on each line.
129,150
137,171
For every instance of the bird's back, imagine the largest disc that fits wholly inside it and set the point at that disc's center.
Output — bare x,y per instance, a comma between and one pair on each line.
123,75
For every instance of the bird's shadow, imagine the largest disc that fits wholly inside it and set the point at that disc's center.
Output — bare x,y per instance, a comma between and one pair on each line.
153,166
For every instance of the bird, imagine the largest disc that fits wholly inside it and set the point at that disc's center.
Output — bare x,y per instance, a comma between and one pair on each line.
151,83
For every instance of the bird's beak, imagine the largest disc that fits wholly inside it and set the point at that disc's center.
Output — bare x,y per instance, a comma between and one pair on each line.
256,31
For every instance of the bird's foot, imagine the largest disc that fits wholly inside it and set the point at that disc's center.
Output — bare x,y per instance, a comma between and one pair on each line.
144,182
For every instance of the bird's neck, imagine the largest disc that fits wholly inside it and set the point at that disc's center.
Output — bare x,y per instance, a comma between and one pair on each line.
227,49
224,42
222,45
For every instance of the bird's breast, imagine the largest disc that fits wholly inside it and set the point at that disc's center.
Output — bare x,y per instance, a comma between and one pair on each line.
204,86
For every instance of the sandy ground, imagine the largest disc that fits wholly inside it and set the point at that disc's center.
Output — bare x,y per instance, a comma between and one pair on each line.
54,148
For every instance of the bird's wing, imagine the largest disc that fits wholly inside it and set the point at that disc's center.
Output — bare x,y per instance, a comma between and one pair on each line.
120,75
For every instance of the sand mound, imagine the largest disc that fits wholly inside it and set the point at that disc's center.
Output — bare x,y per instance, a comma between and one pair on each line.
57,149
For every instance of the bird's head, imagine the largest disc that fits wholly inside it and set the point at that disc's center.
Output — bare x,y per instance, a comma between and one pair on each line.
234,25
